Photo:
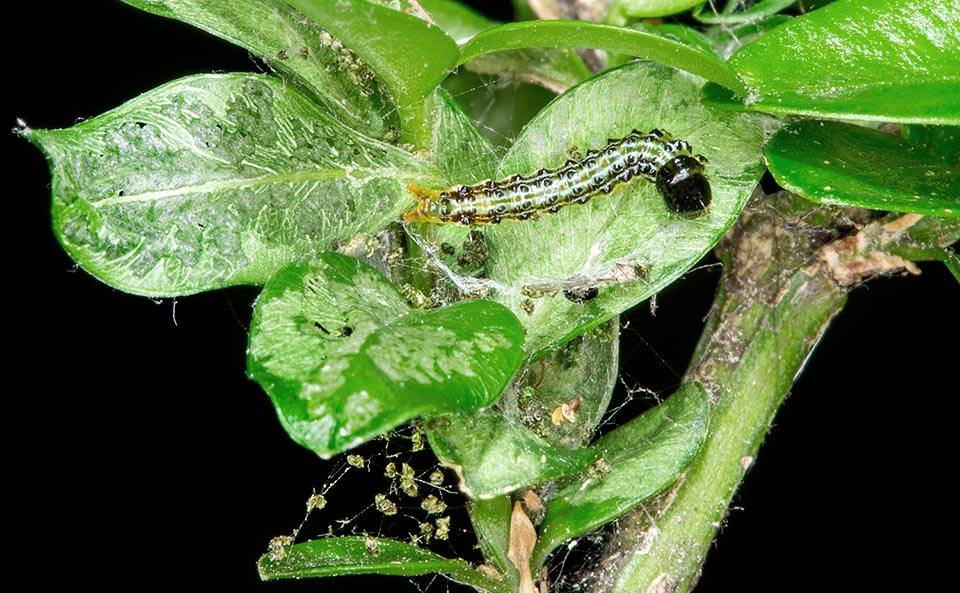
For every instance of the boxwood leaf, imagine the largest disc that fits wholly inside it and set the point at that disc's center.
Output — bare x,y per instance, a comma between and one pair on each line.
897,60
628,244
457,146
836,163
623,10
411,56
491,524
640,459
495,455
216,180
580,34
344,359
296,47
346,555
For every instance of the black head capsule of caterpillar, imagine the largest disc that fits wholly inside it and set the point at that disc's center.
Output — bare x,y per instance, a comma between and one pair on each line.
683,185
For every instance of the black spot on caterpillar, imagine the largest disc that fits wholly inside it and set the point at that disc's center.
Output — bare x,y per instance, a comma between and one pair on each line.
669,164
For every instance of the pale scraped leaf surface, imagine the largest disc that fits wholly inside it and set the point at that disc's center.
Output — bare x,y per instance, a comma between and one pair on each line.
632,226
216,180
300,50
344,359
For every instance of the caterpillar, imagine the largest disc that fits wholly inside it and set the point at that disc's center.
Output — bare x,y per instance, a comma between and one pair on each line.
669,164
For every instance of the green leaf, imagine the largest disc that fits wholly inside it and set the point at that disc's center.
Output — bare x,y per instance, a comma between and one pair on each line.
457,145
952,261
897,60
518,443
628,244
306,55
344,359
836,163
929,239
408,54
579,34
621,11
497,455
640,459
491,524
216,180
335,556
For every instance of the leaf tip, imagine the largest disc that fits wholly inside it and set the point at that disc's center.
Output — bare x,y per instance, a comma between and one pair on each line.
22,130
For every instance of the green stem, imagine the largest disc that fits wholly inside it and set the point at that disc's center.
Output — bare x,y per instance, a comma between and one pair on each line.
787,271
418,123
771,309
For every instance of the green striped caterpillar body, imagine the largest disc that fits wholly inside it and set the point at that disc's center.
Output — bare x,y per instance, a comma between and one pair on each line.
669,164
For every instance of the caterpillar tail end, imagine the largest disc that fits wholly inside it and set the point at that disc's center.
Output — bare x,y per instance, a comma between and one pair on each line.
425,197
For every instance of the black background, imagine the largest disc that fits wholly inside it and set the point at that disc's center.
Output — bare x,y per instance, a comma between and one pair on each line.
138,454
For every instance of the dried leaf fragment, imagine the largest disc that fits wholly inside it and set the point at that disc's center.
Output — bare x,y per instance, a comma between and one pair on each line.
523,537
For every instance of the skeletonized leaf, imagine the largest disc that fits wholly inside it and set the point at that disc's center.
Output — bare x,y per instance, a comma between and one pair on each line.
305,54
216,180
345,359
411,56
628,244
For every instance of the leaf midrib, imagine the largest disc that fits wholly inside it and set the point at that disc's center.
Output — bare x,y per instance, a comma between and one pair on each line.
402,176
